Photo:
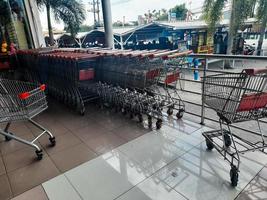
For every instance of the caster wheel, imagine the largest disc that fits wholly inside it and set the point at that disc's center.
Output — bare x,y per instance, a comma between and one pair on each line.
8,138
52,141
180,114
170,111
159,124
140,118
209,144
227,140
123,111
82,112
234,176
149,121
39,154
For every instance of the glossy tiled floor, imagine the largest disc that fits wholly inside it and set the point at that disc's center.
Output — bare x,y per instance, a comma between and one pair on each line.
79,139
106,156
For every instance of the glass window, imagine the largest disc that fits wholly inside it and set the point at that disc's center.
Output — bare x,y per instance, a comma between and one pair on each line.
14,24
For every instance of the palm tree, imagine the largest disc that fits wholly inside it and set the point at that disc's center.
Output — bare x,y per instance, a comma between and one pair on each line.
71,12
213,10
262,17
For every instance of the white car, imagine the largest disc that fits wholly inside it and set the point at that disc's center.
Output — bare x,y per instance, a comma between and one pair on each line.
254,43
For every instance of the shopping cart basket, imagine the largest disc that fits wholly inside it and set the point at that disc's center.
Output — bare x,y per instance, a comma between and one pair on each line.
236,97
21,101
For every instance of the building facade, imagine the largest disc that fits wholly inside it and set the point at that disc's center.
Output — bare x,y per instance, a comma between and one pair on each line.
20,24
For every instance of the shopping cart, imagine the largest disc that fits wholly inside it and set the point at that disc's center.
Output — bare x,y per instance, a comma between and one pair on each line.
21,101
236,97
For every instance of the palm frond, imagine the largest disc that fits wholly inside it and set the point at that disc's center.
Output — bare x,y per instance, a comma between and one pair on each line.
71,12
212,10
262,9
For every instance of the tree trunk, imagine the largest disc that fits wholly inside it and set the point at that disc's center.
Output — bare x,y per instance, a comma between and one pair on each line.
50,30
231,30
262,34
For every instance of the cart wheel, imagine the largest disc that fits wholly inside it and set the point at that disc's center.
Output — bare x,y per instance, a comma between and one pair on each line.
170,111
149,118
180,114
8,138
234,176
123,111
227,140
39,154
140,118
209,144
52,141
159,123
82,112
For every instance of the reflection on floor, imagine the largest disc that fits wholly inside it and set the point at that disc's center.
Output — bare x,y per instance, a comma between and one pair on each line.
106,156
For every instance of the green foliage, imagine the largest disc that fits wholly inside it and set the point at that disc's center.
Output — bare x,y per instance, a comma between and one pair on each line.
71,12
85,28
162,15
261,9
212,10
180,11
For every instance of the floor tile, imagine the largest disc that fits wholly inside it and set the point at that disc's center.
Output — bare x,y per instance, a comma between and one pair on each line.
20,158
257,188
36,193
63,142
72,157
152,151
106,177
112,122
183,125
201,174
11,146
183,140
32,175
2,167
55,127
19,128
151,189
5,191
76,122
59,188
130,131
89,132
104,143
34,129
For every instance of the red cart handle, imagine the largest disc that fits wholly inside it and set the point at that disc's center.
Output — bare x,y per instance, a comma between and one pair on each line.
26,95
255,71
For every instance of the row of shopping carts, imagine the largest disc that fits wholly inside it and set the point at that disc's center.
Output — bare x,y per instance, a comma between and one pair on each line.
142,77
71,74
131,102
68,75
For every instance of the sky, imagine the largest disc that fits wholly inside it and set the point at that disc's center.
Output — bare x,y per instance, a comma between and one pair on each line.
128,8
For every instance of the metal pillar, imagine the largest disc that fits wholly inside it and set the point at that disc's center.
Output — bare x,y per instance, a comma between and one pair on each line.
94,13
108,23
203,92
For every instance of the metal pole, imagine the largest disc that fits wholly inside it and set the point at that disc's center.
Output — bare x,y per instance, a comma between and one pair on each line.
203,92
121,42
98,11
106,8
94,13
